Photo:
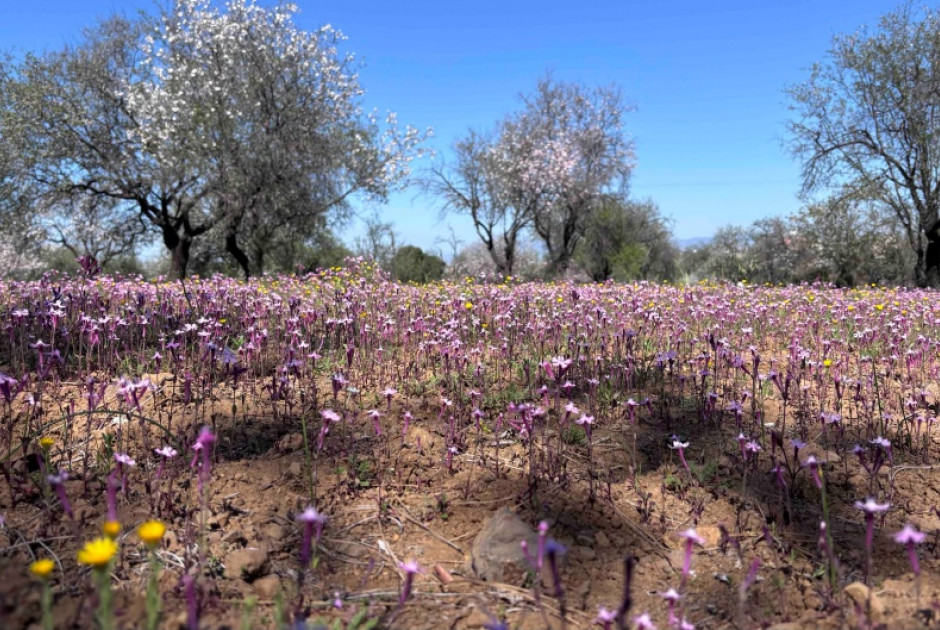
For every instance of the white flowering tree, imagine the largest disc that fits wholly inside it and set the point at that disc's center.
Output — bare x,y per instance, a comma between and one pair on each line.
546,168
579,154
208,122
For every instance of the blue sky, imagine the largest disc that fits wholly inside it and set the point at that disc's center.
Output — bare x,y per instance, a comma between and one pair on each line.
706,78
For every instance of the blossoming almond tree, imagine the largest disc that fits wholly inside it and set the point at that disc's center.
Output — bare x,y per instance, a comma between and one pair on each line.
206,122
545,168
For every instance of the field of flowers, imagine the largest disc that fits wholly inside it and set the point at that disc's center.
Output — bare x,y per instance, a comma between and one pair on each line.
325,450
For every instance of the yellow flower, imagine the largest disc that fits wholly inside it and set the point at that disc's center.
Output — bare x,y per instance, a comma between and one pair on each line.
42,568
97,553
111,529
827,362
45,443
468,305
151,533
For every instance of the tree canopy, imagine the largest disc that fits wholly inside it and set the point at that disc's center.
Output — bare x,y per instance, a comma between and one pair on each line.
232,124
867,125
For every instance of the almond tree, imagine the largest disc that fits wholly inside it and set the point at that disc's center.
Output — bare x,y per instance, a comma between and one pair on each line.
545,168
867,121
230,123
577,153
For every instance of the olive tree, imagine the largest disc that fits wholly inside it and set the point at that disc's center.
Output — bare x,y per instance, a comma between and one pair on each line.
627,240
867,121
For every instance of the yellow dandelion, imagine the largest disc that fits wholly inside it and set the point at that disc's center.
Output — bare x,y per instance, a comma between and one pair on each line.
42,568
45,443
97,553
827,362
468,305
151,533
111,529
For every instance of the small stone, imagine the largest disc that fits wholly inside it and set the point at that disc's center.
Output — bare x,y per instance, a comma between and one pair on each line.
583,553
290,443
296,469
267,587
246,564
233,537
859,594
601,540
274,532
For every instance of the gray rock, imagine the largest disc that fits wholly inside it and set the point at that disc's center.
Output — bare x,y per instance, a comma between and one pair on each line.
497,551
246,564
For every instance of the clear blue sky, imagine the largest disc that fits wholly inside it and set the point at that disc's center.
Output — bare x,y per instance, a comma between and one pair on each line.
706,76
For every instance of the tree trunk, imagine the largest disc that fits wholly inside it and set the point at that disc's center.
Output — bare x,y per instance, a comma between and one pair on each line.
931,262
231,246
179,246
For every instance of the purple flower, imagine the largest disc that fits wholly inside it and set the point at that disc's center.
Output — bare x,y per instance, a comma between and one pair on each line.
605,618
7,387
124,459
691,539
681,446
813,466
410,569
203,446
643,622
871,507
388,393
375,414
313,528
57,481
167,451
909,537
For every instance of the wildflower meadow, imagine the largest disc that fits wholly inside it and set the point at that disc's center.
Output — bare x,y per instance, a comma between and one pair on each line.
330,451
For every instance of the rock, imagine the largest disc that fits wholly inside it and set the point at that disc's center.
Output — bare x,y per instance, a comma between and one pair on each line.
219,521
583,553
497,547
351,548
246,564
859,594
233,537
274,532
477,619
296,469
290,443
601,540
267,587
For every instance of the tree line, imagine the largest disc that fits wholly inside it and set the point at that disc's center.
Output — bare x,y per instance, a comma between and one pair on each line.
238,142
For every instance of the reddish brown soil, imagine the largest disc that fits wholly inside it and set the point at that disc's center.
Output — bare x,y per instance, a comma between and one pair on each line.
389,499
